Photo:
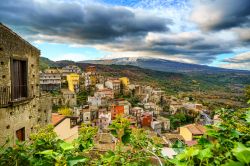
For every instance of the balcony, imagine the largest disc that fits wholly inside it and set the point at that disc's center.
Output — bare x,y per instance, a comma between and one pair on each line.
5,96
20,96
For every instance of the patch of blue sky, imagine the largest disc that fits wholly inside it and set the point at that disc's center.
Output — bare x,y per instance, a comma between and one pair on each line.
147,3
56,51
219,59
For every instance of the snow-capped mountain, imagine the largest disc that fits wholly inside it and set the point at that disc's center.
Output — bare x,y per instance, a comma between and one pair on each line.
163,65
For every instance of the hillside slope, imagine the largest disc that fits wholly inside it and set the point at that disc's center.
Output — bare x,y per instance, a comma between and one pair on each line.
165,65
179,81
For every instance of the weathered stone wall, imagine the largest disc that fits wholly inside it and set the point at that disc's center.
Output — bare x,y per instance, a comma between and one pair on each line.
45,108
13,118
27,113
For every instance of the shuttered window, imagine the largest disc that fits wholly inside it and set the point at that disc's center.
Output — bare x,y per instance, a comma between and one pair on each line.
19,79
20,134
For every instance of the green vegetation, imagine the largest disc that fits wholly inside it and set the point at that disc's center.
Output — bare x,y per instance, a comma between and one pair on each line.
120,128
132,99
82,97
45,149
65,111
180,119
142,150
226,143
55,93
45,63
247,92
205,88
85,139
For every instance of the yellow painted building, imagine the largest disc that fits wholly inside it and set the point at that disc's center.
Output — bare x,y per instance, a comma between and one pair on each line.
189,131
124,81
93,80
73,82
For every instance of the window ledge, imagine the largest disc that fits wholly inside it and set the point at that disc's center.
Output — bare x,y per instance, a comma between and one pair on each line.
20,101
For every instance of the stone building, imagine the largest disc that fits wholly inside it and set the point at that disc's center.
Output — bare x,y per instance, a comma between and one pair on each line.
91,77
69,98
21,105
50,81
70,69
114,84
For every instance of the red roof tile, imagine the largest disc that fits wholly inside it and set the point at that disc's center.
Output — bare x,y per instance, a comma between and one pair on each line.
195,129
191,143
56,118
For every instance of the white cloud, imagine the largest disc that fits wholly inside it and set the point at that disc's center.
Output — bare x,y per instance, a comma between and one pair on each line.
241,66
161,28
71,56
240,58
239,61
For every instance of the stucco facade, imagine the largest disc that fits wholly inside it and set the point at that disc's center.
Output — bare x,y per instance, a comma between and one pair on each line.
65,132
73,82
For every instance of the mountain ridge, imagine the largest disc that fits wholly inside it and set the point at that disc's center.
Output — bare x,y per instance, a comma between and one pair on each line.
164,65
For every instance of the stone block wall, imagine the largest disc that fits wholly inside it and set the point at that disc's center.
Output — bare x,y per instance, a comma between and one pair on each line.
27,113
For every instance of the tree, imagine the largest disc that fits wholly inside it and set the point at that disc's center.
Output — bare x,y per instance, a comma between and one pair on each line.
142,150
82,97
65,111
121,89
86,137
44,149
120,128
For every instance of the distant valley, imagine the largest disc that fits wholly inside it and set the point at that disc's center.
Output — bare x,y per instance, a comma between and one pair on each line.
165,65
207,84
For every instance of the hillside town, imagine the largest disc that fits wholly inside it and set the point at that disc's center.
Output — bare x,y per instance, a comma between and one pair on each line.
109,97
124,83
70,96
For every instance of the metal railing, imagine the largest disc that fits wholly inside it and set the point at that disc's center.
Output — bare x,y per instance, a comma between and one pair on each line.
5,96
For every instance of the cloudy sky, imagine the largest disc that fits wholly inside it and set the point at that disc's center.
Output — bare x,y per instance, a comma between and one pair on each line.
210,32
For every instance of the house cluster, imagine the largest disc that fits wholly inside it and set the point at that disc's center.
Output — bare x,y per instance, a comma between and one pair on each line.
189,108
106,103
65,80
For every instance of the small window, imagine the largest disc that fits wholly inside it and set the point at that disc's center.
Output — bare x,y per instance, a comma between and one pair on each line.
20,134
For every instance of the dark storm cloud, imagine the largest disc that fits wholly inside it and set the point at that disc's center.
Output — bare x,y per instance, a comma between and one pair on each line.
83,22
193,46
222,14
202,56
117,28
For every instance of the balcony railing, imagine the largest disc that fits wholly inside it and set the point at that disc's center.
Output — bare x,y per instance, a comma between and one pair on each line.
5,96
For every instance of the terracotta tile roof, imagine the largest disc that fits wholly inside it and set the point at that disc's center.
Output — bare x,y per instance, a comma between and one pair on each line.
105,90
116,81
105,147
195,129
191,143
56,118
201,128
173,136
